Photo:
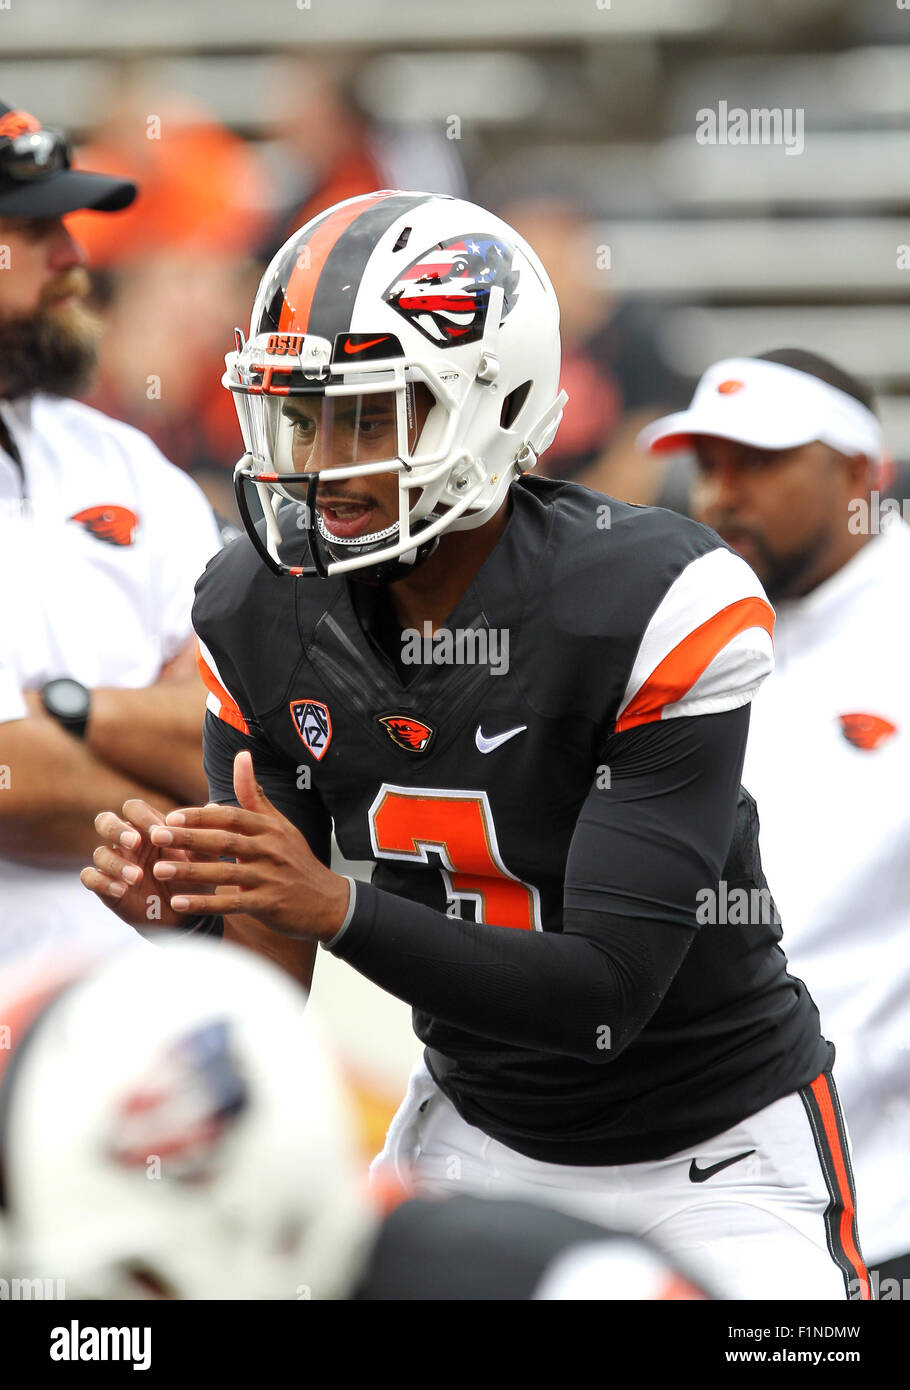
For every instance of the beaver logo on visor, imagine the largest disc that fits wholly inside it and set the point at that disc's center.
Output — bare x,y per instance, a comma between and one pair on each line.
445,293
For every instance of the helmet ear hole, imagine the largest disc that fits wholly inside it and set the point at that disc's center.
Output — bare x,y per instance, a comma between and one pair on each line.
511,406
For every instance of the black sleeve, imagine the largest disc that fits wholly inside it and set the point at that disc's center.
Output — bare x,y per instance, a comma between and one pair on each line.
279,780
649,837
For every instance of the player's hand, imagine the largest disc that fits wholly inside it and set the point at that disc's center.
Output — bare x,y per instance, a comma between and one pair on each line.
122,873
274,875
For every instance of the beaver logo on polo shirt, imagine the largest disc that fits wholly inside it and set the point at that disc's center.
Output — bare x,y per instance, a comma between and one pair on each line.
314,725
866,731
114,525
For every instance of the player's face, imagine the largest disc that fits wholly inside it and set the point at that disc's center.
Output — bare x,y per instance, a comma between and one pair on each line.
361,429
783,510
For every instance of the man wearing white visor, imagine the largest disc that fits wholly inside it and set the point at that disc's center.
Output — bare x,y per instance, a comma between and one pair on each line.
788,449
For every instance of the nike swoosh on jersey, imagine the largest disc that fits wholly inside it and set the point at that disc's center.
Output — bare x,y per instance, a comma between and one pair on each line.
697,1174
486,745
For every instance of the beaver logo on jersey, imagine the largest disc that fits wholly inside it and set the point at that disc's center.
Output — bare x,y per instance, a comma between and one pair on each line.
445,293
866,731
314,725
115,525
406,732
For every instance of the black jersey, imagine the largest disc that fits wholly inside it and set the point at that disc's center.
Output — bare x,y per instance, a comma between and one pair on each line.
481,1248
568,888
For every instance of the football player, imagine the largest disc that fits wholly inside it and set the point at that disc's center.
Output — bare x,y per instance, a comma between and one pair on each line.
210,1154
528,704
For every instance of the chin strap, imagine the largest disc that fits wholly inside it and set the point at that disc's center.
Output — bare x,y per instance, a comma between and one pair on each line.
544,431
541,436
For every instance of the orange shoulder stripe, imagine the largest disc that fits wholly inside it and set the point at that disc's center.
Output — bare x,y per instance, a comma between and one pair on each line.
681,667
230,710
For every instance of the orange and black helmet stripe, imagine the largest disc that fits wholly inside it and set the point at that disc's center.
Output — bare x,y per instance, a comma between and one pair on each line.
316,291
307,269
822,1105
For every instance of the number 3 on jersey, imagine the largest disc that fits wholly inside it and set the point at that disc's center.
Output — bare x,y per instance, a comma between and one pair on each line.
406,822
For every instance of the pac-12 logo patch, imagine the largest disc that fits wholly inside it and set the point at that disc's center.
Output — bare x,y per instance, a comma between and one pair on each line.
408,733
314,725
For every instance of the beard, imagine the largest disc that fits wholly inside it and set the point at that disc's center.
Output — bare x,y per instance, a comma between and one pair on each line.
790,576
783,575
54,348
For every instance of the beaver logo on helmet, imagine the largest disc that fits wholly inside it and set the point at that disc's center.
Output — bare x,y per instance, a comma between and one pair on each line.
445,293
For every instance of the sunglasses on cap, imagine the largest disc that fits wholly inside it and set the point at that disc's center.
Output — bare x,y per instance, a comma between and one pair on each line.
34,155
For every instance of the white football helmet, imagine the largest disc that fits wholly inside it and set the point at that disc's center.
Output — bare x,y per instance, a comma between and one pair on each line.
422,334
170,1126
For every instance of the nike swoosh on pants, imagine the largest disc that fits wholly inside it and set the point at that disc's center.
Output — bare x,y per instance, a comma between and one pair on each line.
697,1174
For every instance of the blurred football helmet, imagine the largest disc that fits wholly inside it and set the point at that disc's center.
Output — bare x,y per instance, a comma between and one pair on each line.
406,333
170,1126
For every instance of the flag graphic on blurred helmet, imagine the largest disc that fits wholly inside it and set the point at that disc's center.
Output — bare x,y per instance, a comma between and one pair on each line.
183,1106
445,293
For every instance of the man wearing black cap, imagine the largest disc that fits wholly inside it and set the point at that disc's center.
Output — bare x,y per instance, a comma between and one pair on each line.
46,336
101,540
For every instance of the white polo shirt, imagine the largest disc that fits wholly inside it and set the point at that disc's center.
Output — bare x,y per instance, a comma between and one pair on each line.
828,762
101,542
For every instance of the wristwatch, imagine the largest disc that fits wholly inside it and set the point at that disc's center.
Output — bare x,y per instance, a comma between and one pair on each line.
70,704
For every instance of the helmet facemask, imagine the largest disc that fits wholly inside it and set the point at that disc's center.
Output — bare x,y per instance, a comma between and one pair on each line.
370,418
